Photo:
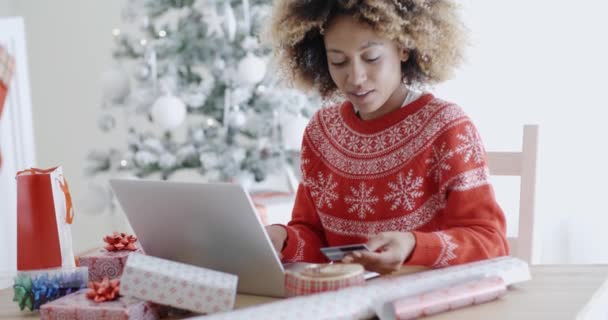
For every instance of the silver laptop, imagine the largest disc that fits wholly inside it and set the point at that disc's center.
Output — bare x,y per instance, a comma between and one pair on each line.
208,225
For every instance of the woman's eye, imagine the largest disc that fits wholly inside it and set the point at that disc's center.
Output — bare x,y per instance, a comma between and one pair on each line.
337,64
372,59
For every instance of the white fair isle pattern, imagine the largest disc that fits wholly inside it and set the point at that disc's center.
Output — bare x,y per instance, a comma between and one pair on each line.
361,200
469,180
439,162
374,144
385,157
304,161
366,301
299,254
322,190
424,213
404,223
178,285
304,156
404,191
471,146
447,250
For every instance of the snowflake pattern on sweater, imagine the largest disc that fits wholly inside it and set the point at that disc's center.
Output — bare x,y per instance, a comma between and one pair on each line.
404,191
419,169
361,200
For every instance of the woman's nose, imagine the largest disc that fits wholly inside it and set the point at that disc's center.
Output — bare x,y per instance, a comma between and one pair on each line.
356,75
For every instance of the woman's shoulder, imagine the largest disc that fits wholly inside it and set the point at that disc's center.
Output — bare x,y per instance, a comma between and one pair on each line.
329,109
450,122
325,113
446,111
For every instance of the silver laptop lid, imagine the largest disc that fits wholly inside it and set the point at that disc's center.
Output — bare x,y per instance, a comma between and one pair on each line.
208,225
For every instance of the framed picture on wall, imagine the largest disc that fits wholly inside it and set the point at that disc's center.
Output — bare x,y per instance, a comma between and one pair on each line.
16,138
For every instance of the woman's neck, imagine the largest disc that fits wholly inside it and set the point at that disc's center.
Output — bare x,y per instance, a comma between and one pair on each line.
393,103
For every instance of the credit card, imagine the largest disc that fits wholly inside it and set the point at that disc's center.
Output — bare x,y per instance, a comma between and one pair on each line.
337,253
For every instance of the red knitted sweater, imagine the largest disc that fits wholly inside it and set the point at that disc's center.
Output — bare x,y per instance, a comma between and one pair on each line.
421,168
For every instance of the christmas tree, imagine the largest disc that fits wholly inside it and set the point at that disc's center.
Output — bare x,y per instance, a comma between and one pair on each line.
198,90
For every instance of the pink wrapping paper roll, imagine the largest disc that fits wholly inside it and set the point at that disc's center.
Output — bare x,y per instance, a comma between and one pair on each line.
450,298
323,277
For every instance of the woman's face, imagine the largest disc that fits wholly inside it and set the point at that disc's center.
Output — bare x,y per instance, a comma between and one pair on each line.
365,66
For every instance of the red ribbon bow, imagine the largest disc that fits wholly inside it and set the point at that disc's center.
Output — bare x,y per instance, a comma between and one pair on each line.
105,290
120,241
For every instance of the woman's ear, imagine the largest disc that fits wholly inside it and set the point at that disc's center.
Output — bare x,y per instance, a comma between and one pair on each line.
404,55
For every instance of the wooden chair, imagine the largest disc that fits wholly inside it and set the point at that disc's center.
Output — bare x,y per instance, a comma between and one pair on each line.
521,164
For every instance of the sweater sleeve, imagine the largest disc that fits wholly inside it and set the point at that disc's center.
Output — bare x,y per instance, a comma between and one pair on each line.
305,233
473,225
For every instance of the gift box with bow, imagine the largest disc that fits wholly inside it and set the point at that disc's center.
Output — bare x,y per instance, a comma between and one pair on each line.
101,301
110,261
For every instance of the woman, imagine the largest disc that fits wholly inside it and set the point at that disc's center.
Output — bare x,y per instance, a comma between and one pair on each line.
391,166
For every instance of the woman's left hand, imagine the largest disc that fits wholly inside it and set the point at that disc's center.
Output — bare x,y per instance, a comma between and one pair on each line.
388,251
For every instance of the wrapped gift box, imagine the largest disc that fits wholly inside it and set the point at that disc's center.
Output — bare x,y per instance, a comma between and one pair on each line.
178,285
37,287
110,261
78,306
103,263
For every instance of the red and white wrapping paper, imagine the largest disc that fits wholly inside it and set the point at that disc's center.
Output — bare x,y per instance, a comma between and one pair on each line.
363,302
77,306
322,278
450,298
104,264
178,285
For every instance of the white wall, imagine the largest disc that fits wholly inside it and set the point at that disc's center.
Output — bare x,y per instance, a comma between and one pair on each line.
69,43
531,62
545,62
6,8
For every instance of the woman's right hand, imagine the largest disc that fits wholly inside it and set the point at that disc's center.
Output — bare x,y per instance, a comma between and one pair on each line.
277,235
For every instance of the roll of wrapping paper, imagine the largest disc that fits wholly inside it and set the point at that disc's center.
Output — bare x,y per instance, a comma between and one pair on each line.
323,277
369,300
450,298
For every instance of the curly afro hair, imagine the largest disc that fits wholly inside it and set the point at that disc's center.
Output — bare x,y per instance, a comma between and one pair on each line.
430,29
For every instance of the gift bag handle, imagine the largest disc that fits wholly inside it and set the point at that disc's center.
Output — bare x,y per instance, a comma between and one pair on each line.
36,171
69,209
63,184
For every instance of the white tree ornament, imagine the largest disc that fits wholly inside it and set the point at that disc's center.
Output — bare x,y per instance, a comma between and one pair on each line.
115,85
292,131
238,119
96,198
168,112
251,69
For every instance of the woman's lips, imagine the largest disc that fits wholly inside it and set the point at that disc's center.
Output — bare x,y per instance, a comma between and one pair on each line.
361,96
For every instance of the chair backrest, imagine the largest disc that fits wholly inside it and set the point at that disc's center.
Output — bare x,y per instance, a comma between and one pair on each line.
521,164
